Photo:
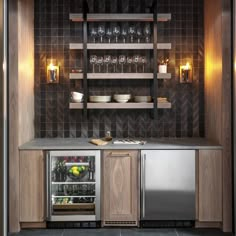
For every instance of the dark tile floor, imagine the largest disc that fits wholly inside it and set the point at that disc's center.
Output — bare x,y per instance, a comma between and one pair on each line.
122,232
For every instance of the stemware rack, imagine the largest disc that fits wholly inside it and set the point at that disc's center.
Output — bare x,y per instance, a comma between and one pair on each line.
153,18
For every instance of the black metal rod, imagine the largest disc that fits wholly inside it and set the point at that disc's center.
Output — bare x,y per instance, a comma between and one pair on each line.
155,81
85,54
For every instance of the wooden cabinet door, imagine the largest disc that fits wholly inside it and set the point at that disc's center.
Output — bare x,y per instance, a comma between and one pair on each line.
210,186
32,186
120,187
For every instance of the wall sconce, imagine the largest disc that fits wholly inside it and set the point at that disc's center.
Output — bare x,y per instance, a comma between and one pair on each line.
186,73
52,71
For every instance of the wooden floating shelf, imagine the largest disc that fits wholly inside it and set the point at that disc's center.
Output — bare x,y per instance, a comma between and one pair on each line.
164,75
163,17
125,46
166,46
114,105
120,17
74,76
78,17
76,46
120,75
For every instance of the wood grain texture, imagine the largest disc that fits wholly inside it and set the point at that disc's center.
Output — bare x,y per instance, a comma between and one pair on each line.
213,69
210,186
32,186
197,185
208,224
218,91
13,121
226,117
26,70
120,186
30,225
21,94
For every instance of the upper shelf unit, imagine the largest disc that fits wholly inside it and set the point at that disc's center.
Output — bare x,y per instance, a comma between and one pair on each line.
125,46
162,17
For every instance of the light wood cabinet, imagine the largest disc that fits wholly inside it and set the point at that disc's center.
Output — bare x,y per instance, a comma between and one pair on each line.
120,188
32,186
210,186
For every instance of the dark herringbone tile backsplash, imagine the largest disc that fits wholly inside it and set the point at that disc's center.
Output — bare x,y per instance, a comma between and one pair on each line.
54,32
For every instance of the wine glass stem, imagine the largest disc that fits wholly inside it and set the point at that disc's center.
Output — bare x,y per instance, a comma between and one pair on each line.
114,68
123,40
107,68
136,68
129,68
93,68
122,71
143,68
101,39
99,69
116,39
132,39
94,40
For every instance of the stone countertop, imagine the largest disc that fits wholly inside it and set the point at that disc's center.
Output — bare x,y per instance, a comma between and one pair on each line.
152,144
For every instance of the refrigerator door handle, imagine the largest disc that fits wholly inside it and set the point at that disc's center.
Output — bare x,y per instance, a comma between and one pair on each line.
143,183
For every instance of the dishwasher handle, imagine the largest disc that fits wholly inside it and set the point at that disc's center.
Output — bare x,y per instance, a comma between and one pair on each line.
143,173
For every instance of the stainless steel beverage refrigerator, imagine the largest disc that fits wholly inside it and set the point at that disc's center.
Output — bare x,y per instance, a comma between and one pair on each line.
3,117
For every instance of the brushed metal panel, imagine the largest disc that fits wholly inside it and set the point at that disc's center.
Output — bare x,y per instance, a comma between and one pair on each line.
168,185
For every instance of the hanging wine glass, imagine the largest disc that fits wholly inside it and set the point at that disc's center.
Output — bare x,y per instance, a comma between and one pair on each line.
107,61
136,61
99,62
93,60
93,34
124,33
131,32
116,32
101,32
147,33
122,61
109,34
114,62
143,61
139,34
129,62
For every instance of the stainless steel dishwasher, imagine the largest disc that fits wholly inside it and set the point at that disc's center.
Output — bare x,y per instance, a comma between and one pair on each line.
167,185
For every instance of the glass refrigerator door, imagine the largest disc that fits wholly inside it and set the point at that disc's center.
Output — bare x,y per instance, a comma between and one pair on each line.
73,183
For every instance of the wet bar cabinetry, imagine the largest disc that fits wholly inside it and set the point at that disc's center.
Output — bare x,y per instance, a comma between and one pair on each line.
120,188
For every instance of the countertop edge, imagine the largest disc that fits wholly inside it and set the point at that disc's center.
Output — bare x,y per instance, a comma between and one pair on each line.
152,144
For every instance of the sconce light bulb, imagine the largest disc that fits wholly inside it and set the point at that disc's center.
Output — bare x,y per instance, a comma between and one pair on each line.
51,66
187,67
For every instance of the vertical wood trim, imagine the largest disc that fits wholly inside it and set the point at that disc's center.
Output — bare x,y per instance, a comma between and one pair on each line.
217,18
13,121
213,69
26,70
210,186
226,117
21,94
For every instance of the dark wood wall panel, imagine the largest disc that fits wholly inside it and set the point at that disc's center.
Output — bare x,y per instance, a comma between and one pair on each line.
218,91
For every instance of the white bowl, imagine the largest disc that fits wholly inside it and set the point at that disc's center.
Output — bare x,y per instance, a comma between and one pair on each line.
121,100
122,96
101,99
142,98
76,95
